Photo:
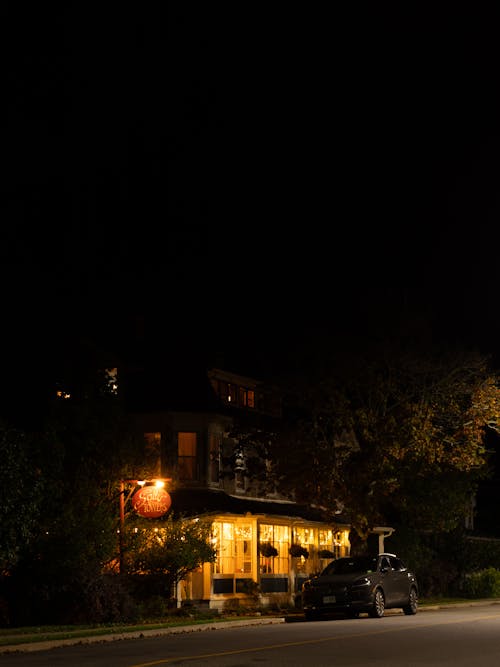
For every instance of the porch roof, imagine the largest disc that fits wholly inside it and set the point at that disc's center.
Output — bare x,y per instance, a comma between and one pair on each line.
197,501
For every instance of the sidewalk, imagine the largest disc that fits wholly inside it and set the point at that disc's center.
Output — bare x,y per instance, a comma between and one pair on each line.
217,625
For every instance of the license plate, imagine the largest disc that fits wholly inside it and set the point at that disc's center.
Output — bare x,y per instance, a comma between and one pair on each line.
329,599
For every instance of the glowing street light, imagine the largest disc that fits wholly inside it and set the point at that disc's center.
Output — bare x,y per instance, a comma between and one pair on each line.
150,501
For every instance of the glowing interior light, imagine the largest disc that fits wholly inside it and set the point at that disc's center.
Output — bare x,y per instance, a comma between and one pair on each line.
159,483
141,482
63,394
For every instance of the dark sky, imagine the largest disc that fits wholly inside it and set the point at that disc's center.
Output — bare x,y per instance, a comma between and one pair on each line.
241,176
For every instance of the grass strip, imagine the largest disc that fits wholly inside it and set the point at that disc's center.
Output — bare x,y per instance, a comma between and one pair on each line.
15,636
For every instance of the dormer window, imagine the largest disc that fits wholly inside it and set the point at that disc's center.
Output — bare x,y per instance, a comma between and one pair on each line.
243,392
247,397
234,394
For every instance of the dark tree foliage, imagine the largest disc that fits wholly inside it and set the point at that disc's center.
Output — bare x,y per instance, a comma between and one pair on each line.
169,548
85,450
393,437
21,486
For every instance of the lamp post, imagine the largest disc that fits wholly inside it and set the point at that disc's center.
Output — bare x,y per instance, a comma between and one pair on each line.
156,483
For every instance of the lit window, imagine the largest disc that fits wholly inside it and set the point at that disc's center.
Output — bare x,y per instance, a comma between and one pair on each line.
306,538
243,548
233,546
223,540
62,394
186,456
247,397
278,537
112,380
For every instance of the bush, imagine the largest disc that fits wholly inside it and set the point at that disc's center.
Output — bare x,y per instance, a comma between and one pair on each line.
480,554
482,584
31,599
102,599
155,606
443,560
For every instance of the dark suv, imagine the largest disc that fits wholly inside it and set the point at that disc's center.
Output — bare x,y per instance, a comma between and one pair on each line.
358,584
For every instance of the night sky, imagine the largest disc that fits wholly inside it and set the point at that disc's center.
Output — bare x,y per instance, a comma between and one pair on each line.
239,178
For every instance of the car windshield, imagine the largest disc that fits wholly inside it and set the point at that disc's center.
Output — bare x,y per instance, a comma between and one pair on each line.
359,565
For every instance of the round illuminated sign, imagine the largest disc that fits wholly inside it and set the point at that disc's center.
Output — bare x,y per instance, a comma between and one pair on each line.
151,502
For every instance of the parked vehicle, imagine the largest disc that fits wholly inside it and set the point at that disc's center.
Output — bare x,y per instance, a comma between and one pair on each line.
359,584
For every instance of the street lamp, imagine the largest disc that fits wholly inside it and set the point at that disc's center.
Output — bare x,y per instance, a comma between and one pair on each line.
155,502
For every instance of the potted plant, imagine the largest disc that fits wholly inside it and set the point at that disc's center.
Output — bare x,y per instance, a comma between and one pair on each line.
267,550
326,553
296,551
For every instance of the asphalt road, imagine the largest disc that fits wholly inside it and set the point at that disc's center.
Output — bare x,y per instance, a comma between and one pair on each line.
459,637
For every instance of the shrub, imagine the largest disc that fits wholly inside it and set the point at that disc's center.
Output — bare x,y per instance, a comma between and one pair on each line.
482,584
249,587
155,606
480,554
100,599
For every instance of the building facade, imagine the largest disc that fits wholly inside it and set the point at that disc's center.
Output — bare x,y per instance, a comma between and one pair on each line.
266,545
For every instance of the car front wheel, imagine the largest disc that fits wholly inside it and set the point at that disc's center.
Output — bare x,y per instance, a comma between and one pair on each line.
378,605
412,606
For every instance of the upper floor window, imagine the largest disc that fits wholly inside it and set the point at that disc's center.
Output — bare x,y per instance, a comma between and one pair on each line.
63,394
234,394
247,397
186,456
111,380
245,392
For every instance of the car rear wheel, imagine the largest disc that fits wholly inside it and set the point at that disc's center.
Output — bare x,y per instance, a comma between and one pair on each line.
412,606
378,605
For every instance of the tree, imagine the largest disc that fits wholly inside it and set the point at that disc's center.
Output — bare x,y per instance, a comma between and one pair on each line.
398,435
171,547
20,493
85,449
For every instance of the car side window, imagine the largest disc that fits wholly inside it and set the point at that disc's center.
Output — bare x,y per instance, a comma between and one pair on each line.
397,564
384,563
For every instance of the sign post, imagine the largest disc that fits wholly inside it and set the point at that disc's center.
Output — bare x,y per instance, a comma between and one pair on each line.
150,501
